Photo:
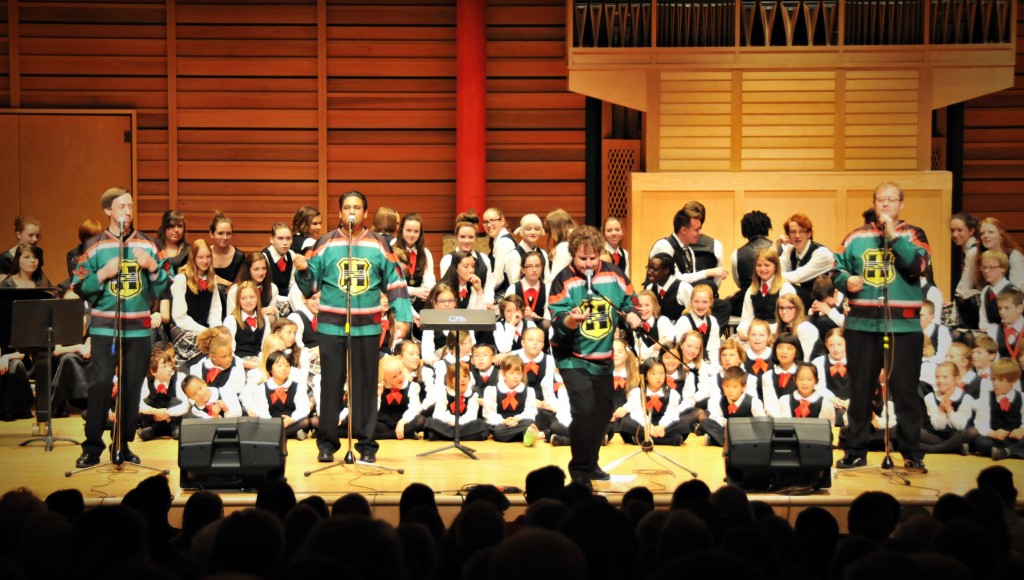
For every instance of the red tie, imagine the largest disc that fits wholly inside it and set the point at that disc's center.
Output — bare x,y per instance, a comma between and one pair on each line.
671,382
251,321
1004,404
647,327
394,397
837,369
1011,333
784,379
384,326
282,265
212,374
556,385
531,367
764,289
161,389
463,293
531,297
991,294
616,258
804,410
210,408
733,408
759,366
485,378
280,395
412,261
661,293
654,402
510,401
703,328
312,323
202,284
462,406
620,383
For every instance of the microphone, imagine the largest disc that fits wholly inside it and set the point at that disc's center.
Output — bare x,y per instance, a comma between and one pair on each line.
590,283
120,224
351,220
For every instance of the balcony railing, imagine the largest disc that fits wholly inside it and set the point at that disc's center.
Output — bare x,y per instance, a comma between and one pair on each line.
764,23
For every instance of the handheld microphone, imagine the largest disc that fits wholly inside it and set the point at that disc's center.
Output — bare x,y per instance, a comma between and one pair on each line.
590,283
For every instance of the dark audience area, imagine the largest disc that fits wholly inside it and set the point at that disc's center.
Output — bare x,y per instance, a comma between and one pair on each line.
565,533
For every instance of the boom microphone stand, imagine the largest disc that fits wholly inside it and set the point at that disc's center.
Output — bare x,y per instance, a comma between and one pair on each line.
350,456
647,445
116,444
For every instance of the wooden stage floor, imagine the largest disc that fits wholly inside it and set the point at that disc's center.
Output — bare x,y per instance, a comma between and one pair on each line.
448,472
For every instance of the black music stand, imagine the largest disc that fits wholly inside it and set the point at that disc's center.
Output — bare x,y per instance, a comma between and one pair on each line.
449,320
41,324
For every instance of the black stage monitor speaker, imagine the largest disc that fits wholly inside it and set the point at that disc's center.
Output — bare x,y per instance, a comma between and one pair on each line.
237,453
765,453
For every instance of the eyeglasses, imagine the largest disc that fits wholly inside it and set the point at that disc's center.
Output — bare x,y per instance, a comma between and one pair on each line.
493,221
991,268
799,231
531,266
786,308
444,301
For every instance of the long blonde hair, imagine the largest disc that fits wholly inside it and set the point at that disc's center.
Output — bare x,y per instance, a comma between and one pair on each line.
237,314
192,274
772,256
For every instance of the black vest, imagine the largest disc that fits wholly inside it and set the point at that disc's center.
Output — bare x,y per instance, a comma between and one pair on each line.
764,306
248,341
744,409
308,334
1004,346
623,262
991,307
533,379
746,255
542,301
670,306
162,400
450,402
703,335
999,419
394,407
279,409
839,385
973,387
478,378
222,377
748,365
657,414
279,278
781,391
297,241
508,411
803,289
198,304
815,407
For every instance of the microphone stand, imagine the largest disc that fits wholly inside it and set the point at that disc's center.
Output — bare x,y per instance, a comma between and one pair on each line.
887,363
350,456
116,443
647,445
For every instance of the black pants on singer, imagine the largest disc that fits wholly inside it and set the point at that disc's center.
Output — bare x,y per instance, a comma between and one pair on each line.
135,358
590,401
362,401
864,353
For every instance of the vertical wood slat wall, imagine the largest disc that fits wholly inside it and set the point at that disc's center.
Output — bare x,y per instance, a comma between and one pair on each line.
232,99
994,151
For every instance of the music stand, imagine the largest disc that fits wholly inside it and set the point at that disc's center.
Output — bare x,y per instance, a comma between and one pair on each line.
448,320
41,324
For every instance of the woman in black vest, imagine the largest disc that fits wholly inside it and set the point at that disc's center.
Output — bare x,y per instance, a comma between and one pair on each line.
195,302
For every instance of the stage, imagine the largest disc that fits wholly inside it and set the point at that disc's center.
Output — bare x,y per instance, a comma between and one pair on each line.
449,472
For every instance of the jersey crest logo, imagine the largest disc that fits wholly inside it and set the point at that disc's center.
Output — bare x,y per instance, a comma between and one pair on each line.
359,272
599,323
131,280
878,267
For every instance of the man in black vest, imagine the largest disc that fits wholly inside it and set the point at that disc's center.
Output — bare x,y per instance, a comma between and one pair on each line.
697,257
802,259
754,226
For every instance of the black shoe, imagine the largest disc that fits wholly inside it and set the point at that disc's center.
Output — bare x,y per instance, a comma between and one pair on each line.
584,481
915,465
559,441
130,457
175,432
850,461
600,475
999,453
147,433
368,457
325,456
87,459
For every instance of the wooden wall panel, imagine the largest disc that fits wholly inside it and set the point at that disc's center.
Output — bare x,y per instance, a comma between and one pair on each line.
782,112
696,120
228,99
994,151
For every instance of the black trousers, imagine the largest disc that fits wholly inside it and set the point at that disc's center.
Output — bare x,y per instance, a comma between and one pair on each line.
135,358
590,402
864,355
362,402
